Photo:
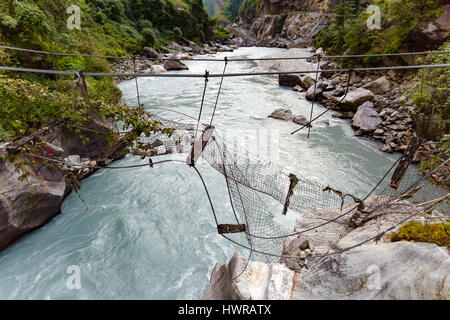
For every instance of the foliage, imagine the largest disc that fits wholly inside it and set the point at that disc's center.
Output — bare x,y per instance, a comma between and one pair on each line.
432,98
26,106
348,31
108,27
414,231
436,160
248,8
213,6
229,12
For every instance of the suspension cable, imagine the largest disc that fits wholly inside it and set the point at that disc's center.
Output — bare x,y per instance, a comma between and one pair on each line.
241,74
314,95
235,59
218,92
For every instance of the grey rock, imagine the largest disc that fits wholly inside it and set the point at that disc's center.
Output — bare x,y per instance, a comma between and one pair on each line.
304,245
379,86
290,80
27,205
195,47
301,120
354,99
313,93
366,118
150,53
282,114
174,64
322,85
378,132
307,81
385,148
174,45
157,69
339,92
298,88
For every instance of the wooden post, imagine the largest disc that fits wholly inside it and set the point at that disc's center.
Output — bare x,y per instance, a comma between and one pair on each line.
404,162
199,145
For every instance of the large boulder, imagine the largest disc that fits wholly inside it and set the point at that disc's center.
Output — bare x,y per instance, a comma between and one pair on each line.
379,86
338,262
282,114
307,81
354,99
157,69
299,119
27,205
259,281
313,93
289,80
387,271
150,53
175,45
195,47
174,64
71,143
366,118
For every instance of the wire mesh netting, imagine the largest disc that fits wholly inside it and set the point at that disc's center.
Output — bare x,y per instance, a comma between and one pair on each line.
327,215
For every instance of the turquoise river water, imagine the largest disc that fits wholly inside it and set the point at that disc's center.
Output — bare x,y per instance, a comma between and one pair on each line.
148,233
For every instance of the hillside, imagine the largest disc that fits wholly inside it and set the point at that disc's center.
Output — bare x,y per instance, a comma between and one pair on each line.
116,27
213,6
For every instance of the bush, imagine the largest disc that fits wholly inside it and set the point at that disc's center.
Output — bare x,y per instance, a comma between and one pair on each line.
150,37
432,115
348,30
414,231
26,106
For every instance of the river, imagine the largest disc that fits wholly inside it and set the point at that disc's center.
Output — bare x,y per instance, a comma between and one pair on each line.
148,233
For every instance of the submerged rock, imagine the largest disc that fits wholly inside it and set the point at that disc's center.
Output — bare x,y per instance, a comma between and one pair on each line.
282,114
157,69
289,80
175,64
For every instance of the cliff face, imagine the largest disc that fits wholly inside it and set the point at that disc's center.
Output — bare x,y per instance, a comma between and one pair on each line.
297,22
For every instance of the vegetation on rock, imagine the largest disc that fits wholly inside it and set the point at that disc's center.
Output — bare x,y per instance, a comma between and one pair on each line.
415,231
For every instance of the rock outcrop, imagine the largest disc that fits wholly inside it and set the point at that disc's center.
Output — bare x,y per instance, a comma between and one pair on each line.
29,204
383,270
290,23
25,206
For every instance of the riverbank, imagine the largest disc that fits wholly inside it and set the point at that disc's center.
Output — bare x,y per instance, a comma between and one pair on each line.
170,58
379,104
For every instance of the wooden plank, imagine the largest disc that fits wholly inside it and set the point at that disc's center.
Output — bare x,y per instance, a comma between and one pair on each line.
231,228
199,146
404,162
14,147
